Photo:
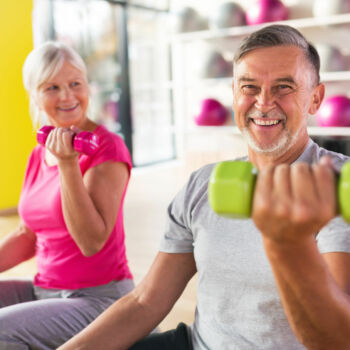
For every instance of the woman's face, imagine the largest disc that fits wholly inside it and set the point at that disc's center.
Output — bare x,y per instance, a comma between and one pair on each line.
65,97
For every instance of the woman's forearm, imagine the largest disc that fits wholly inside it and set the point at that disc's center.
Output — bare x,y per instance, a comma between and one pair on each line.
83,221
16,247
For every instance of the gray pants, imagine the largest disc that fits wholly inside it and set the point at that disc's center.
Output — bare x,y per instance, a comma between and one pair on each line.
42,319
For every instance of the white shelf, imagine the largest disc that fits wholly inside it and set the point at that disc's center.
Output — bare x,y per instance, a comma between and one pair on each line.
244,30
233,130
328,131
335,76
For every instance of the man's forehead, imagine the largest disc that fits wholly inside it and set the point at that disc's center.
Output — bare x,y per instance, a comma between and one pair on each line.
280,62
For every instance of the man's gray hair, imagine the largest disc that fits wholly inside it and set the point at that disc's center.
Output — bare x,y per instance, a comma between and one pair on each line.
280,35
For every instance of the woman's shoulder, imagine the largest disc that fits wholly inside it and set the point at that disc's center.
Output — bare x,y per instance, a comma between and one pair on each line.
108,137
111,148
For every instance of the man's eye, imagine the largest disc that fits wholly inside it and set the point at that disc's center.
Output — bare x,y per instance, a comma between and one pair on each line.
75,83
250,89
284,89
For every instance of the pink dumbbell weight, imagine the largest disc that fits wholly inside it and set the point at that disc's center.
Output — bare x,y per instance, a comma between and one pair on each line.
83,142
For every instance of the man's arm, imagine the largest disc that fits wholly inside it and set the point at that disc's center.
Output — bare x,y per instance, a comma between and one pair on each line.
317,308
291,204
138,313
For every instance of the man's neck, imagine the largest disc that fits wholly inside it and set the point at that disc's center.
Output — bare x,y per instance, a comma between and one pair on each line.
260,160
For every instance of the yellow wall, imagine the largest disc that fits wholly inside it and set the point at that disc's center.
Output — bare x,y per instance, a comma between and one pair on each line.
16,134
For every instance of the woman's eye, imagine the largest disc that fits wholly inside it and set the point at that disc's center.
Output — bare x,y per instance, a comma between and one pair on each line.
75,83
52,88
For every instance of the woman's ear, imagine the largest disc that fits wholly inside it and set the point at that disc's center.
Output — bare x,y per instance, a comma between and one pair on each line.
317,98
36,101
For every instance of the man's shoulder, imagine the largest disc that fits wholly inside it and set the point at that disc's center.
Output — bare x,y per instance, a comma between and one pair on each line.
204,172
338,158
313,153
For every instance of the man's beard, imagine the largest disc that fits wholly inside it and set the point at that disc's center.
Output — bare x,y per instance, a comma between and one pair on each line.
281,145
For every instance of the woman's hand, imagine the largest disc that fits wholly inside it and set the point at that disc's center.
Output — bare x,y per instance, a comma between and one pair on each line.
60,143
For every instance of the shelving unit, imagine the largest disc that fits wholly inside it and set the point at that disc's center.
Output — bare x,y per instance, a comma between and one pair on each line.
300,23
187,85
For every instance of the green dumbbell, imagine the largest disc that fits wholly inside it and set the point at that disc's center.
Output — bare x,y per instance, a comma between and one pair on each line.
231,188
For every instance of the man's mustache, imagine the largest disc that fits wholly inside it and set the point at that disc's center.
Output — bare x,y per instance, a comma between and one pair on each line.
273,114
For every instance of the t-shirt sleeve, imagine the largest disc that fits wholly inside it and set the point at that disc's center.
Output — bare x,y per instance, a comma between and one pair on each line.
334,237
178,236
111,148
181,217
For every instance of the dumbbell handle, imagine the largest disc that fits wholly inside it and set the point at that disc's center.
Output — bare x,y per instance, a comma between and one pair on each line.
231,189
84,142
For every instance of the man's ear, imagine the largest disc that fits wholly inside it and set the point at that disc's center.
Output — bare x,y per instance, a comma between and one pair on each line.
317,98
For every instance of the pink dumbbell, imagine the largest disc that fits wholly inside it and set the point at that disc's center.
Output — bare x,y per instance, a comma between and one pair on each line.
83,142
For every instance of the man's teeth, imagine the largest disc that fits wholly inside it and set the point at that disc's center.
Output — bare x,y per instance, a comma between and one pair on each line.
265,122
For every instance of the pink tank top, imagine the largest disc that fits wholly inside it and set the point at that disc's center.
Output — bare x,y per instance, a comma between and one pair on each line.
60,264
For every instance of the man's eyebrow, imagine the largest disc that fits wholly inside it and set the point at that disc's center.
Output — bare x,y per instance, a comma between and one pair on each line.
287,79
246,79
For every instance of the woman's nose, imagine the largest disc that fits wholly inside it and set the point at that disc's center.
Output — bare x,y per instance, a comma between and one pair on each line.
65,93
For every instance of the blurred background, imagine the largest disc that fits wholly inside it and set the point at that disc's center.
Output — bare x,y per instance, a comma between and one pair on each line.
160,73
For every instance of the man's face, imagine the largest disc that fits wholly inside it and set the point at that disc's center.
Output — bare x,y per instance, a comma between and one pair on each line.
273,95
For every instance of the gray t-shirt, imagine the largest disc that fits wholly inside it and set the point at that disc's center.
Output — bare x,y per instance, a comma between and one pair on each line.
238,305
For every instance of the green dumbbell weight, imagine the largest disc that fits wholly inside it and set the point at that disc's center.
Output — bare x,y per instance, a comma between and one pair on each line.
231,188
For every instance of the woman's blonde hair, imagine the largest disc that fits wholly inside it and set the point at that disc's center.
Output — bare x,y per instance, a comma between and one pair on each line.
43,63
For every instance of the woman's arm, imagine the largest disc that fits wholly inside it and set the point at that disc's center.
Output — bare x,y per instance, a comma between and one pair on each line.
90,204
17,247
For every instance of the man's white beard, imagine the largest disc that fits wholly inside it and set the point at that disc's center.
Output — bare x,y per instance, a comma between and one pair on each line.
282,145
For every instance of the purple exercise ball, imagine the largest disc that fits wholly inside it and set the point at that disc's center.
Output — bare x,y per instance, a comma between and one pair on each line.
212,113
334,111
263,11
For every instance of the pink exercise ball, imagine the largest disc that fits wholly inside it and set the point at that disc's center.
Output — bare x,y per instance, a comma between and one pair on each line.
212,113
334,111
266,11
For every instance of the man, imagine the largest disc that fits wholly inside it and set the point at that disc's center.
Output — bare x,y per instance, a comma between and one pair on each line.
278,281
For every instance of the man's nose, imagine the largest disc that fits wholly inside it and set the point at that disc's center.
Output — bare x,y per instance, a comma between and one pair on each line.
265,101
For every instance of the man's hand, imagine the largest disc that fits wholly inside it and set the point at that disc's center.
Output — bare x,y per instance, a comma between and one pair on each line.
293,202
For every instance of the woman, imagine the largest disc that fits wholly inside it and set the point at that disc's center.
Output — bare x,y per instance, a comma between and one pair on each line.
71,211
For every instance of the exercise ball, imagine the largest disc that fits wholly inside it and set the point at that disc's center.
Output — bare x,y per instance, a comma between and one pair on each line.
228,14
331,58
323,8
266,11
334,111
216,66
212,113
188,20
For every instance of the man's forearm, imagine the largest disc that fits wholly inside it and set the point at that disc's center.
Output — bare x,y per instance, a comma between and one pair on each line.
317,309
120,326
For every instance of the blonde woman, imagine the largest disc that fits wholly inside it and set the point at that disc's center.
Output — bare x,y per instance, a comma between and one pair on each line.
71,210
